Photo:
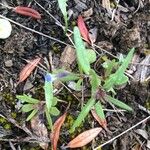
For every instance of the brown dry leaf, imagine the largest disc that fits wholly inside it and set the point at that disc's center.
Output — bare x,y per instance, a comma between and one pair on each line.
84,138
102,123
88,13
137,147
93,34
68,56
40,130
143,133
26,71
56,130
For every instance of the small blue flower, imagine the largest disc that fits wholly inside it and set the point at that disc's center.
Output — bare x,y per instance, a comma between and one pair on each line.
48,77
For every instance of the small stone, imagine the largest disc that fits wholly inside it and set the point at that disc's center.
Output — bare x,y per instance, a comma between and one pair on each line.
8,63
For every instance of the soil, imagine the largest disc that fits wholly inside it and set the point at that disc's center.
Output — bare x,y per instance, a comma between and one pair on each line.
129,28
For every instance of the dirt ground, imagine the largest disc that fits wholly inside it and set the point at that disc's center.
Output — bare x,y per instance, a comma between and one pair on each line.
129,27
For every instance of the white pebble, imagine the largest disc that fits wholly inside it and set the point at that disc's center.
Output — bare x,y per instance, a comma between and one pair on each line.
5,29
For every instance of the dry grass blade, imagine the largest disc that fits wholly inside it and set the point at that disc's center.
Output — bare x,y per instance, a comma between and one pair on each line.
56,130
26,71
84,138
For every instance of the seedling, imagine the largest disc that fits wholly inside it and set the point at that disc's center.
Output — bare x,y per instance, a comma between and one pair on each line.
5,29
62,5
33,105
117,78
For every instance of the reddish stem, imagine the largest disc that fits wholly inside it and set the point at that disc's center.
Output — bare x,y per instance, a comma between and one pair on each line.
26,11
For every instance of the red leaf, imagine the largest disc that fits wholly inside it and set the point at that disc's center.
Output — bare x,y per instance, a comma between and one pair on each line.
102,122
56,131
84,138
83,29
26,71
26,11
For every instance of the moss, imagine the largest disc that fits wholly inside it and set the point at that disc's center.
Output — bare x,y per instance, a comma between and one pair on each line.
56,49
2,120
73,23
8,97
69,121
7,126
147,105
39,90
14,115
69,98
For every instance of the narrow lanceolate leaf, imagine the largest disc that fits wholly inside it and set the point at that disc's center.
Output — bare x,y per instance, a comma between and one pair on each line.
49,119
99,115
101,122
27,107
84,138
26,71
118,78
83,29
26,11
95,82
82,57
118,103
126,62
33,113
56,131
62,5
48,88
84,112
28,99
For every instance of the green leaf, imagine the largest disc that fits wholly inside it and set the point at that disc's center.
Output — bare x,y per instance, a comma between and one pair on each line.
110,82
48,88
54,111
84,112
33,113
28,99
49,119
54,101
122,80
126,62
63,75
95,81
78,86
118,78
109,66
62,5
81,52
27,107
69,77
119,103
99,110
91,55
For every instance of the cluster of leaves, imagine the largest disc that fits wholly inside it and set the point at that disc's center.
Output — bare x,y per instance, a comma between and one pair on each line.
112,80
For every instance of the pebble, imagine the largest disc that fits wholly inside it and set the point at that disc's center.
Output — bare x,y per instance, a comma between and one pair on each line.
8,63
